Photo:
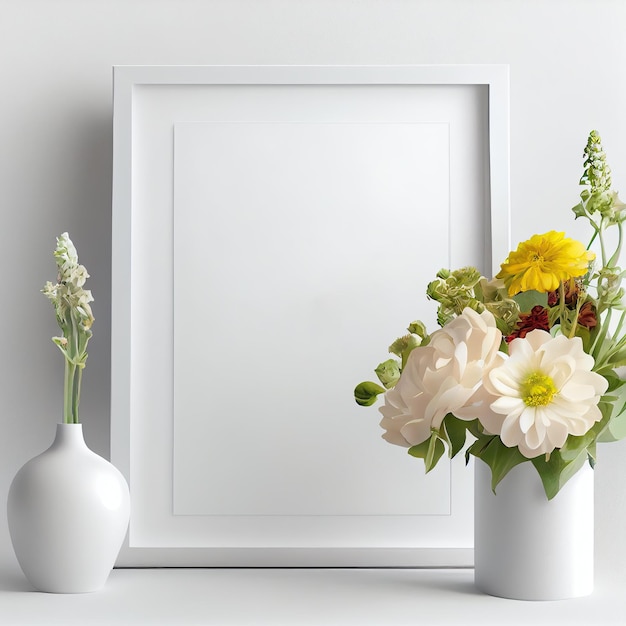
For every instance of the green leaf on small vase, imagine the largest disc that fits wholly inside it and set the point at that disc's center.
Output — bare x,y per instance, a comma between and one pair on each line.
365,393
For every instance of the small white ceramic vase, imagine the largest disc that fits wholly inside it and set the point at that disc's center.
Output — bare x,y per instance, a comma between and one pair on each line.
68,512
527,547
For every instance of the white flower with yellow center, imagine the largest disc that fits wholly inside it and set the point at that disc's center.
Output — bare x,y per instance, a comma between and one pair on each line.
443,377
545,391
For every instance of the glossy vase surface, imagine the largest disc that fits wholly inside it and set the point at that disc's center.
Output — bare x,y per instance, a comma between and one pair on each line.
527,547
68,512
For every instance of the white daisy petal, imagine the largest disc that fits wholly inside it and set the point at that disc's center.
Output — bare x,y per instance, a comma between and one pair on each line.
507,404
577,392
551,378
527,420
533,438
511,433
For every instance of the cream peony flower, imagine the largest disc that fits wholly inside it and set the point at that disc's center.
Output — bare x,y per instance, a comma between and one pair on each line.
546,391
443,377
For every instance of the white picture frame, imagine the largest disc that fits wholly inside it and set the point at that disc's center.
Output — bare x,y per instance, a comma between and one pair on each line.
190,139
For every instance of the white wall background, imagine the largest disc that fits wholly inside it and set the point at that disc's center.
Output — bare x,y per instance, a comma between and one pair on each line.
568,75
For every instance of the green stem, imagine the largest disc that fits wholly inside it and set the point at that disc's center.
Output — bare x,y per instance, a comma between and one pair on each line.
76,395
66,379
618,330
562,303
600,337
609,349
605,353
579,304
613,260
71,387
68,392
602,245
595,233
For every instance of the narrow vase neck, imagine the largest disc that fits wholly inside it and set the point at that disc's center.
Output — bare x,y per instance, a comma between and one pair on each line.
68,434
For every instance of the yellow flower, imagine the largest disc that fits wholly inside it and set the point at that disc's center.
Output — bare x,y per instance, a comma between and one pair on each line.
543,262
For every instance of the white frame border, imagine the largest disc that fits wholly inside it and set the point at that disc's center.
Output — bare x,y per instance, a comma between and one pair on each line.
495,77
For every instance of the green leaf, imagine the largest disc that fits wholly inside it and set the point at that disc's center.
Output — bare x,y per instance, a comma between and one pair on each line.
420,450
455,433
476,449
476,428
435,452
575,445
614,412
556,471
365,393
528,299
430,450
61,344
565,462
591,454
586,336
499,457
579,210
613,407
388,373
615,429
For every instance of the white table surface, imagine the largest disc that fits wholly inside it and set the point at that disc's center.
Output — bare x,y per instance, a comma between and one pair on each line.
298,596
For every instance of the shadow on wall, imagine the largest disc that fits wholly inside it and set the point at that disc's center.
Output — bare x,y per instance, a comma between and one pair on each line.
90,228
59,179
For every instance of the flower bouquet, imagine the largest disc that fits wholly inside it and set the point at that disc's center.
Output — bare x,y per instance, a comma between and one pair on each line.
524,362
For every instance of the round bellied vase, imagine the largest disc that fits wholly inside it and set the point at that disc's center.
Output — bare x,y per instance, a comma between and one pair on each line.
68,512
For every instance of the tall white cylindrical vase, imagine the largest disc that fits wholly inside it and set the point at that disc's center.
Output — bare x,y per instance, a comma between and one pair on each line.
68,512
527,547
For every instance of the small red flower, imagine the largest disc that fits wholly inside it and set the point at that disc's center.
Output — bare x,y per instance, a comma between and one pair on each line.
537,318
571,290
553,298
587,316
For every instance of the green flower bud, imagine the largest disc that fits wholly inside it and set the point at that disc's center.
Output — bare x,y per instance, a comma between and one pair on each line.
506,313
388,373
454,290
418,328
404,345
